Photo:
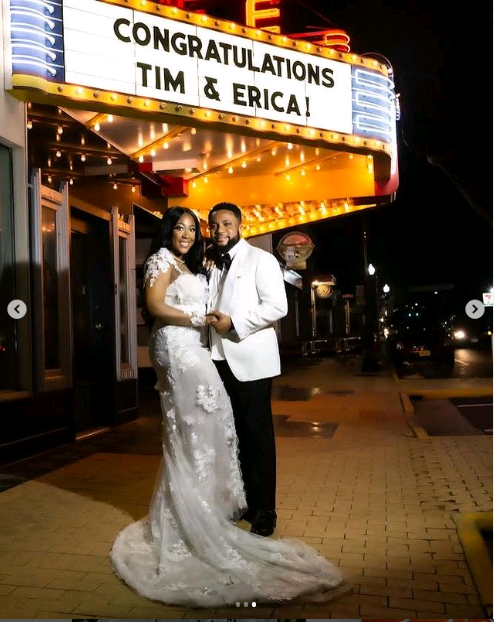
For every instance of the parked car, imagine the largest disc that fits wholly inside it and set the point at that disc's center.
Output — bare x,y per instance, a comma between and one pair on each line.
416,332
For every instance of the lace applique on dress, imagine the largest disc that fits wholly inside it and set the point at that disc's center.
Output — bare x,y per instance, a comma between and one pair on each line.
181,353
159,262
207,397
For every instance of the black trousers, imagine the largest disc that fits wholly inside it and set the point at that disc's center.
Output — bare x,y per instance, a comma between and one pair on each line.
251,403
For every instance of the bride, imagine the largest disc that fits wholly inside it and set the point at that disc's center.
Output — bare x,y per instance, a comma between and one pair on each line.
188,549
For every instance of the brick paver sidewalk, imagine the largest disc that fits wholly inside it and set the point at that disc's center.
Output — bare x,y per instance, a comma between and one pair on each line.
372,498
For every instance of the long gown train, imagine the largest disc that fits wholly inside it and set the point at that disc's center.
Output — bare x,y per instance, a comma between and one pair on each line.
188,550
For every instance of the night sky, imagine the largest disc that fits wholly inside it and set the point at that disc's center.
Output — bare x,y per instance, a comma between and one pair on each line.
439,230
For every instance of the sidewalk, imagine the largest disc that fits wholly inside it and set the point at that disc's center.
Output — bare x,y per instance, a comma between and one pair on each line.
365,492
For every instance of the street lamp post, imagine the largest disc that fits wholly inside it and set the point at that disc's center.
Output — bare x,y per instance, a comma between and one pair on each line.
370,359
386,290
313,309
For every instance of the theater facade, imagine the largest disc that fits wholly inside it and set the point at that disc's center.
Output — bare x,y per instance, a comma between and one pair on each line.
111,111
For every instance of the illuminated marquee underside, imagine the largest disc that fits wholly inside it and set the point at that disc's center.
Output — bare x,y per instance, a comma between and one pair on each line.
154,61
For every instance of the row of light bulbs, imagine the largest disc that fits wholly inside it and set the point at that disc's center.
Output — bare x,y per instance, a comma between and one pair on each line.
158,106
291,214
58,153
115,185
301,169
163,142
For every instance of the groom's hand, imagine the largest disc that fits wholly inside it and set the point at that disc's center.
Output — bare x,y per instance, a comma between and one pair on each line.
208,264
223,323
210,319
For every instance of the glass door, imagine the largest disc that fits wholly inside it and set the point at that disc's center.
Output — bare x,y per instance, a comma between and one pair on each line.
123,235
52,312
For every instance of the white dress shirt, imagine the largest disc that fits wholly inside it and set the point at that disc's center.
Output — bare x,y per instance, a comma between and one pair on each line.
218,279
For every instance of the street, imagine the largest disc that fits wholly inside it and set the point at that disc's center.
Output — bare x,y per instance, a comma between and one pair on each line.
477,410
472,363
469,363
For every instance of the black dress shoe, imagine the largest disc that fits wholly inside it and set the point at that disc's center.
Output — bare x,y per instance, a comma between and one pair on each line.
249,515
264,523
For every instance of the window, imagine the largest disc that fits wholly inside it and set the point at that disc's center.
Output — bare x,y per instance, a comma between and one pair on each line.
124,311
50,286
123,240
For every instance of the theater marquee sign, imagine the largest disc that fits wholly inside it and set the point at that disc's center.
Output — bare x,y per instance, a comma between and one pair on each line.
134,54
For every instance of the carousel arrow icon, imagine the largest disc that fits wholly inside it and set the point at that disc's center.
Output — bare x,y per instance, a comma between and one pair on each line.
17,309
474,309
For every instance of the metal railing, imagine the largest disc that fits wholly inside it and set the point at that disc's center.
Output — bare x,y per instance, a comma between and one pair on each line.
336,345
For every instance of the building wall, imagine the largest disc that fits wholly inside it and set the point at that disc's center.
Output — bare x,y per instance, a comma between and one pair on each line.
13,135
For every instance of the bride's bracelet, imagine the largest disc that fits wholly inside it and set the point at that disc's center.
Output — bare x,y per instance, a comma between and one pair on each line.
197,320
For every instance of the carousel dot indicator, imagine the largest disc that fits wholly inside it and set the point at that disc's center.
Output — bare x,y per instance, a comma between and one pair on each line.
254,604
246,604
238,604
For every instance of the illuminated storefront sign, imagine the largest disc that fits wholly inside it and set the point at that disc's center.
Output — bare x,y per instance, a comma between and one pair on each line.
258,15
171,59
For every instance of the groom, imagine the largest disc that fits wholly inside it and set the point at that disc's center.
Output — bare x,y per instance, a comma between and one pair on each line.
247,295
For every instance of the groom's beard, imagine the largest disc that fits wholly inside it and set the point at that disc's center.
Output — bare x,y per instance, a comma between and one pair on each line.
224,249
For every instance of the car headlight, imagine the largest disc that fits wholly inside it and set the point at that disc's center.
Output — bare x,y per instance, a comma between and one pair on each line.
460,334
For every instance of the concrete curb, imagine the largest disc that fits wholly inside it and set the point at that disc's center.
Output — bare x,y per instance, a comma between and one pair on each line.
409,411
469,526
444,394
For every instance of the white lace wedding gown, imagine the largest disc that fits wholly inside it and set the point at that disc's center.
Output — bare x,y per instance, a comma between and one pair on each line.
187,550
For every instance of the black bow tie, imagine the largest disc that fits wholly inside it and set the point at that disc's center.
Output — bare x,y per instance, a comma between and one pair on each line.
223,261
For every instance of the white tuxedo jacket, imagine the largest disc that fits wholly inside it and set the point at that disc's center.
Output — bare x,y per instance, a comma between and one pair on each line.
254,297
